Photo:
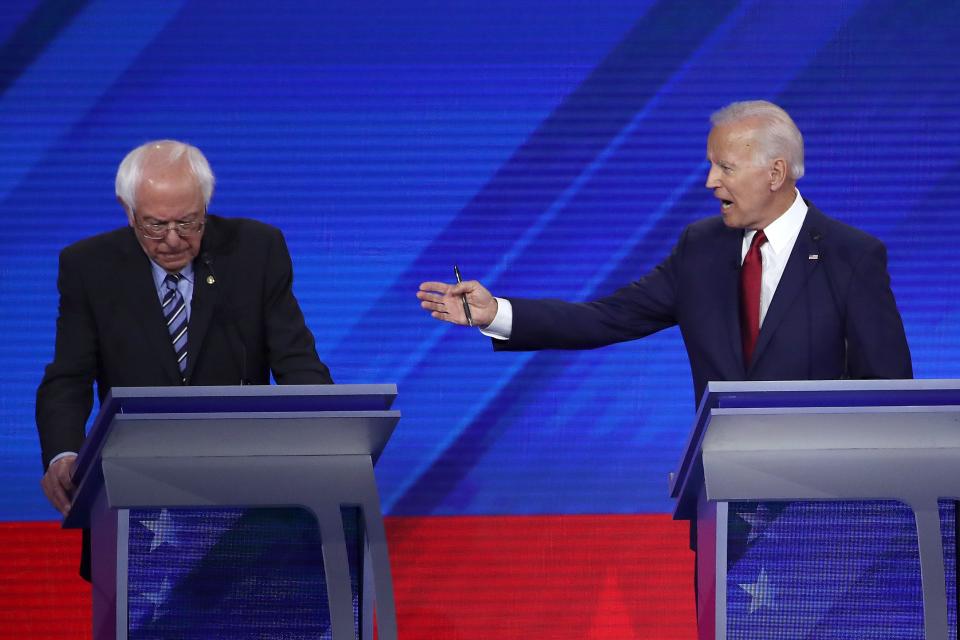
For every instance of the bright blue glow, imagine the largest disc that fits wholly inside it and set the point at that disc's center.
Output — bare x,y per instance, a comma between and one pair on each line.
548,148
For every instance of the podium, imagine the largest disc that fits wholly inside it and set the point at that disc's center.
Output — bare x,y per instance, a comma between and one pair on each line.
309,446
870,445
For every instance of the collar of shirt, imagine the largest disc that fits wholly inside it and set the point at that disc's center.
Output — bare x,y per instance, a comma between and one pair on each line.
185,286
159,274
781,233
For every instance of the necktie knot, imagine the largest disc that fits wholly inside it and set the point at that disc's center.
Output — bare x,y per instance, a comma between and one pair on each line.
758,239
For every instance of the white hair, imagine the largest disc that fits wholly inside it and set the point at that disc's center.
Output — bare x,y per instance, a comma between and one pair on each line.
167,152
778,137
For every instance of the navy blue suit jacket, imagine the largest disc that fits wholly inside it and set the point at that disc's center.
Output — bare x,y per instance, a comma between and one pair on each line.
833,314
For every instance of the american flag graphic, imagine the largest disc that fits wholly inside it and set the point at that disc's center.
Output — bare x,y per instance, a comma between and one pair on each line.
232,573
830,571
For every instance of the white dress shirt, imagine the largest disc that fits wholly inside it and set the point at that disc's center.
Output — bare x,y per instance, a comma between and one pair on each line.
781,236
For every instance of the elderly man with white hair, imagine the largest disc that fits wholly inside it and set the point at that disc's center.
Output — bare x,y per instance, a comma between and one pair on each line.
177,297
770,289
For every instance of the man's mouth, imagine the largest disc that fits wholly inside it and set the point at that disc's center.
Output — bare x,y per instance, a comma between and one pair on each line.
726,204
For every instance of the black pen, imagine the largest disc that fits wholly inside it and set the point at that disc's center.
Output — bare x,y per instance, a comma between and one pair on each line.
463,298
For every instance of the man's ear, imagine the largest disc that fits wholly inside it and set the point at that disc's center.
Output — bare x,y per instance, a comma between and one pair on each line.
778,174
126,210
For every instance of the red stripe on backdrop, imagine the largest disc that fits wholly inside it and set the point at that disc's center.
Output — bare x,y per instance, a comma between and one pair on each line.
576,577
41,595
460,577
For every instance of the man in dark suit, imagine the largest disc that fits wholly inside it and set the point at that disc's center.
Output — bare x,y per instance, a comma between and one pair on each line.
771,289
177,297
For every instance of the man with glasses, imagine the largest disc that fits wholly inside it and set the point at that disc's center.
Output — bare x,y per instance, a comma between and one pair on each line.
178,297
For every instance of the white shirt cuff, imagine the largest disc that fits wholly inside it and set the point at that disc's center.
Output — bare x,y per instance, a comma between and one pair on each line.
502,324
61,455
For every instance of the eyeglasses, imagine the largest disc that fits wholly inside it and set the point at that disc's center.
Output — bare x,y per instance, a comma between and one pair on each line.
159,230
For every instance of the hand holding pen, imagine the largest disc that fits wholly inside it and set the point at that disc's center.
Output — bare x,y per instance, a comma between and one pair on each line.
466,303
463,297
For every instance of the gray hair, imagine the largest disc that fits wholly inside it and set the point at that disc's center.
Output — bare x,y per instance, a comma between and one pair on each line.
778,137
168,152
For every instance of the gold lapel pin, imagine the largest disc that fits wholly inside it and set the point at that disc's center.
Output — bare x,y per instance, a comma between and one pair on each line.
211,280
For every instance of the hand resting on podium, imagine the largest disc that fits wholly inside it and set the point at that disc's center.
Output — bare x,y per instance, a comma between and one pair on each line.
57,483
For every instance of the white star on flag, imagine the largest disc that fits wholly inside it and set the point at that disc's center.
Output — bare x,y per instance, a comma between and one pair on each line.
163,530
761,592
158,598
757,521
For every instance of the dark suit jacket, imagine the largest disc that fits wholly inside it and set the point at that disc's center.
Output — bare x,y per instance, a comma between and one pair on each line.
833,314
244,324
110,329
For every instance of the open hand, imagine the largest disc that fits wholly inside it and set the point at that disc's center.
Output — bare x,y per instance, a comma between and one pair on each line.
445,302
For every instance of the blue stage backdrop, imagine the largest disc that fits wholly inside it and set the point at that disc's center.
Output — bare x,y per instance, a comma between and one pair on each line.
550,148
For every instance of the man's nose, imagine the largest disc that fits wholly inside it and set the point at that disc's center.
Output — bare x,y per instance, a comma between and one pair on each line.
713,178
171,237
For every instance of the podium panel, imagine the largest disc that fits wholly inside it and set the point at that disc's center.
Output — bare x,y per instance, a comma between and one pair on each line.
831,570
299,457
825,509
243,574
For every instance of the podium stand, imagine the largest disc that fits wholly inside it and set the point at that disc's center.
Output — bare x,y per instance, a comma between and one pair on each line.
890,440
311,446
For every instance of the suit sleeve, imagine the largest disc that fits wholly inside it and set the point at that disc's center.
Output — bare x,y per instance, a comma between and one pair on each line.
876,341
65,394
636,310
291,349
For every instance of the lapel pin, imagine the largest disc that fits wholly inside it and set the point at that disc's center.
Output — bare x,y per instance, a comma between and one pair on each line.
812,256
211,280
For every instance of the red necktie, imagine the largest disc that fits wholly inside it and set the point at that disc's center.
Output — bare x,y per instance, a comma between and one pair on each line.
750,276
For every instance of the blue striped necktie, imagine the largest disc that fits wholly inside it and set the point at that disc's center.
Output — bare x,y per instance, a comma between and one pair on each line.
175,313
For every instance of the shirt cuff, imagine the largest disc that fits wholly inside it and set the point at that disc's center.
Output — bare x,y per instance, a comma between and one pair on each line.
61,455
502,324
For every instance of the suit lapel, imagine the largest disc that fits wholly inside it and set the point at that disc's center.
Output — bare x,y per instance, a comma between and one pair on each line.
140,293
204,297
727,288
792,282
201,311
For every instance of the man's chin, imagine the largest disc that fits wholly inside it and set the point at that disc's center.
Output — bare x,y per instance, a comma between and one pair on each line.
173,263
730,220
